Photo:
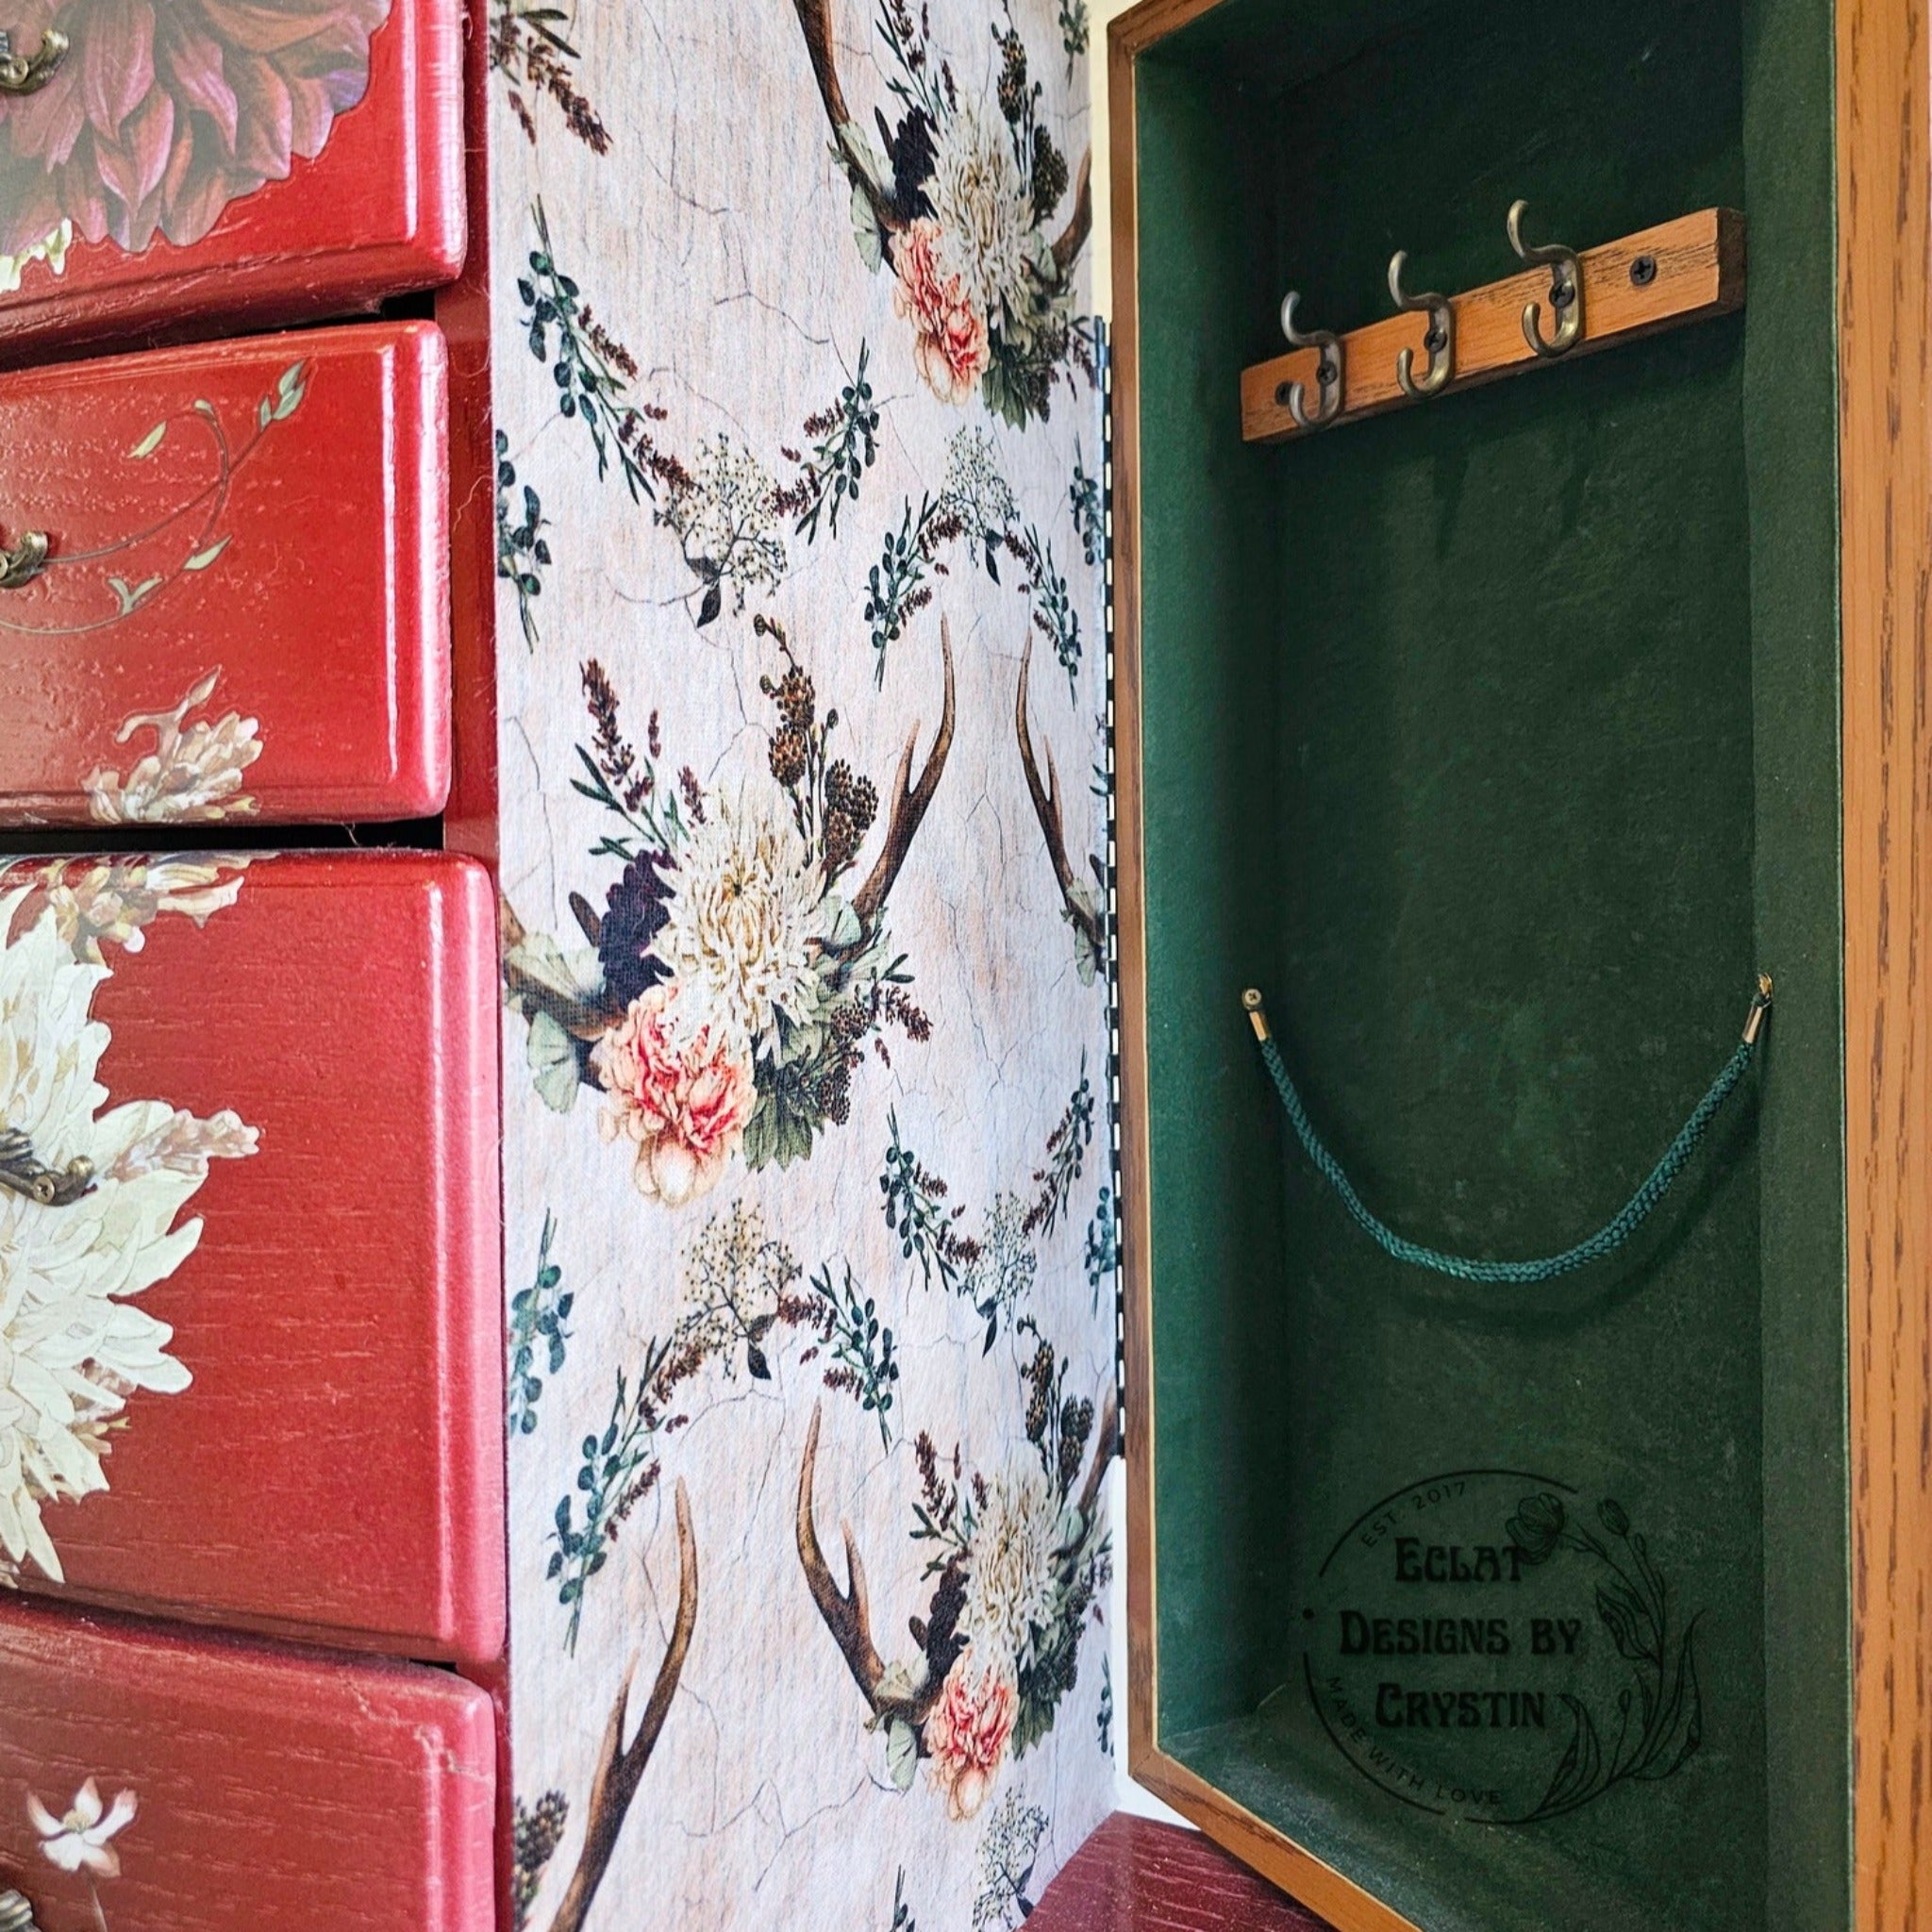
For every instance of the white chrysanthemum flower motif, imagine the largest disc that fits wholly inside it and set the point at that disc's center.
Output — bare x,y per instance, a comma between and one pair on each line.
53,251
1011,1578
985,214
112,902
81,1839
72,1348
746,919
194,772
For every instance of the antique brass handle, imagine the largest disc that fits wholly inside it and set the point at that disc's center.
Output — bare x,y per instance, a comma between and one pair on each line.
16,1915
21,565
21,1174
27,74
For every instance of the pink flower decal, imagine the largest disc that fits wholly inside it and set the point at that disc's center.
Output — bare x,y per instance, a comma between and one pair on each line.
952,350
167,111
968,1733
82,1838
682,1098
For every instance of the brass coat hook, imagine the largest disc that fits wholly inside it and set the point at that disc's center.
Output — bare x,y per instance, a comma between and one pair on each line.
1566,290
27,74
21,563
1327,375
1440,341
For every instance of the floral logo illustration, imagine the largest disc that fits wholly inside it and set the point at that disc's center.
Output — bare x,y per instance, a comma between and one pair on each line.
89,1200
1663,1724
732,983
194,772
166,111
958,204
81,1839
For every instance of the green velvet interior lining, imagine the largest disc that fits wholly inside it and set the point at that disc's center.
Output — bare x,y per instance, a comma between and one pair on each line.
1498,741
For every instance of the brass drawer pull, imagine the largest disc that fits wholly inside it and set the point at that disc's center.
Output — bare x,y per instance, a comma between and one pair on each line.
24,561
27,74
21,1174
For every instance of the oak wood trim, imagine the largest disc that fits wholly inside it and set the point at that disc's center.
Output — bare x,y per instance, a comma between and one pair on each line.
1884,98
1305,1877
1697,271
1128,33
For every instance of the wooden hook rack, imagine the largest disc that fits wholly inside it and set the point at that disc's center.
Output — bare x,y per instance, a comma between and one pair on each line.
1662,278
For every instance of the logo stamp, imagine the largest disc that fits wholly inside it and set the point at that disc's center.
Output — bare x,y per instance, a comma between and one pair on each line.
1496,1645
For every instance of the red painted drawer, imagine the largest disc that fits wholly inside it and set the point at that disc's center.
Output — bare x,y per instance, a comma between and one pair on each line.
262,1788
244,607
254,1377
259,160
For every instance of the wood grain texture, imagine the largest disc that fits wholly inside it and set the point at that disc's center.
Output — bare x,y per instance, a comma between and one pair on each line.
309,1793
334,1470
324,606
1885,231
1296,1871
379,211
1698,272
1136,1875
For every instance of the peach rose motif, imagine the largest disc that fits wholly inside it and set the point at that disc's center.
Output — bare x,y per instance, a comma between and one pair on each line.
681,1098
951,348
167,111
968,1733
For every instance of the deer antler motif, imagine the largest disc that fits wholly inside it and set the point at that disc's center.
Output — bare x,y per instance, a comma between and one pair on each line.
1082,909
911,800
848,138
847,1612
621,1767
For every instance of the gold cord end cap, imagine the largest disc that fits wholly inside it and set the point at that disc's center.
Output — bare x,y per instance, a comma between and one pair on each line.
1257,1016
1760,1006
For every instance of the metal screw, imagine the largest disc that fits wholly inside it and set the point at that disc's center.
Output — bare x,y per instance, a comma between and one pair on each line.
1643,271
1330,376
1562,295
1281,389
1435,341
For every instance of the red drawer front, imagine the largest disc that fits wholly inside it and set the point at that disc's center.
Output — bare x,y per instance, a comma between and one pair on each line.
254,1378
245,608
189,160
265,1789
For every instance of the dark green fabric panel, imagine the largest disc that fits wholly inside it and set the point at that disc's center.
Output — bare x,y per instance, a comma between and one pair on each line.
1208,815
1497,739
1791,453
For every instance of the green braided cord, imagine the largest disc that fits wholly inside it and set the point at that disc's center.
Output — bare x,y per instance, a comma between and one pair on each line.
1605,1240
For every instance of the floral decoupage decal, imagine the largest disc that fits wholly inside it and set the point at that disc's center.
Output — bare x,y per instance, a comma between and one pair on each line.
195,772
167,111
731,982
90,1200
111,582
958,200
1019,1563
80,1841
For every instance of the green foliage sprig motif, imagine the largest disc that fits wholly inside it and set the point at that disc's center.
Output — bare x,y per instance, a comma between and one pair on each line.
1661,1716
1066,1158
537,1315
523,552
846,444
865,1365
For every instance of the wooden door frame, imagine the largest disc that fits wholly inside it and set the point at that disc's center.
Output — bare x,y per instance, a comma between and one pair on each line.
1883,136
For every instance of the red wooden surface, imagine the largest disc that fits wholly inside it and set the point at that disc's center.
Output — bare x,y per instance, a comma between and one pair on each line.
378,211
325,609
335,1467
1134,1875
271,1789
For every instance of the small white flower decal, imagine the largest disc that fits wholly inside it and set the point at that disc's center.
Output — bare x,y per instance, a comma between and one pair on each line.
194,772
81,1840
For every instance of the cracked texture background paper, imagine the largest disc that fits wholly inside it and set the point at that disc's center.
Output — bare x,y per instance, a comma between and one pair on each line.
806,1155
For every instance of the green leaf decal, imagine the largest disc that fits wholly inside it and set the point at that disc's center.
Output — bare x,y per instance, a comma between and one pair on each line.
129,594
290,392
902,1753
202,558
553,1058
149,443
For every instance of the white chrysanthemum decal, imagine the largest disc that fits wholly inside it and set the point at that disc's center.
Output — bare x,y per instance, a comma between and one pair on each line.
194,772
742,934
73,1347
1012,1578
